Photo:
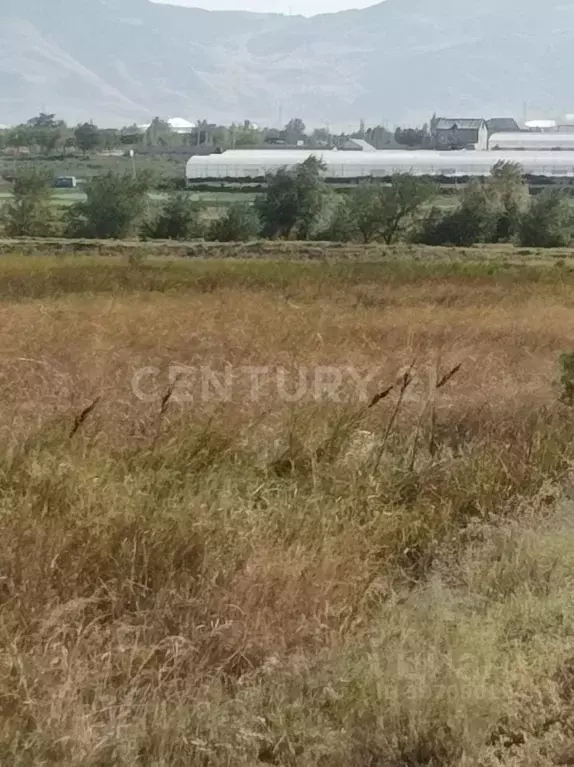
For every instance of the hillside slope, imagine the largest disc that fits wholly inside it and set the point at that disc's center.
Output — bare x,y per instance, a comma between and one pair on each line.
125,60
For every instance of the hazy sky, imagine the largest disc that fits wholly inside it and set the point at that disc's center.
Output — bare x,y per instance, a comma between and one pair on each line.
306,7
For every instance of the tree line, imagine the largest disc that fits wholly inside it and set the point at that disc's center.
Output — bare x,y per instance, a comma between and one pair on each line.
45,134
298,204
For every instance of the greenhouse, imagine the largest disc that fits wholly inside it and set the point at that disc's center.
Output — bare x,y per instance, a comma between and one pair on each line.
252,164
534,142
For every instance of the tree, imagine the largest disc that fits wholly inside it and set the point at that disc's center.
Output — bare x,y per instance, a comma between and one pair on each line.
511,191
30,212
509,173
437,228
114,205
411,137
131,135
278,208
69,143
15,138
43,132
47,139
87,137
312,193
110,138
244,135
402,200
342,225
320,137
479,214
239,224
385,211
295,130
221,136
44,120
159,133
293,200
549,221
203,133
365,210
178,219
476,219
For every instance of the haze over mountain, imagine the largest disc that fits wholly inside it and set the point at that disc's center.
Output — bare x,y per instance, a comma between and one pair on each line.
290,7
119,61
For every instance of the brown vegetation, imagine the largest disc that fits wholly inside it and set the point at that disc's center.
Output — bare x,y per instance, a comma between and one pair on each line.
255,581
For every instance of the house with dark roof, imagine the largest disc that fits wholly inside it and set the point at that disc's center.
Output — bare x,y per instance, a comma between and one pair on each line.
502,125
459,133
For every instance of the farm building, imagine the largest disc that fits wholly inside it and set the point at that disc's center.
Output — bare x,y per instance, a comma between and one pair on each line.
356,145
502,125
246,164
460,133
531,141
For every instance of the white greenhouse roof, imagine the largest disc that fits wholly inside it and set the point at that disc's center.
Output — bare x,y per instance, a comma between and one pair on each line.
179,123
245,163
361,144
528,140
540,124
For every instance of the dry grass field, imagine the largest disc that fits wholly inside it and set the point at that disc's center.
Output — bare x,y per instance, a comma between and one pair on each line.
334,529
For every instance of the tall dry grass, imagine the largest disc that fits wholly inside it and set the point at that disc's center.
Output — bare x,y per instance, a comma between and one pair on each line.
265,582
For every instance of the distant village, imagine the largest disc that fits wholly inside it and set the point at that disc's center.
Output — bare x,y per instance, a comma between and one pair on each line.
445,147
439,134
500,133
177,135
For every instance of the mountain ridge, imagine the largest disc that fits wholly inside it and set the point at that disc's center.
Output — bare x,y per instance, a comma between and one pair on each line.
120,61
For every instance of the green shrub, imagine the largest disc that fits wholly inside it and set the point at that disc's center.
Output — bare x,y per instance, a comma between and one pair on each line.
178,219
489,211
293,200
437,228
30,213
548,223
239,224
387,212
475,220
114,207
511,191
342,225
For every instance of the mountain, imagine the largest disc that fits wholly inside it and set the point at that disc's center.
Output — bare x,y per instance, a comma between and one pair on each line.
120,61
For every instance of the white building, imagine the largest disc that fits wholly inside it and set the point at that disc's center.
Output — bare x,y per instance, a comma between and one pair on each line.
541,125
177,125
180,125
